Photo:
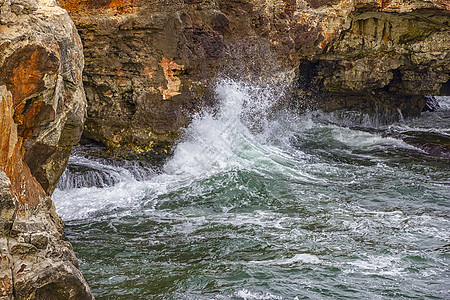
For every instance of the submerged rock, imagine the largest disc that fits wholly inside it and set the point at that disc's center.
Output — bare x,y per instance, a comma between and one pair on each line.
42,109
433,143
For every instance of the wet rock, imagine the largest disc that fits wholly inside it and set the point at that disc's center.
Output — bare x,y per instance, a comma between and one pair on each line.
149,66
431,104
142,65
42,109
387,58
433,143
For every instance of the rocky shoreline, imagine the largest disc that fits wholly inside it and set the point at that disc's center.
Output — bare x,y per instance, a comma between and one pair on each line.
150,65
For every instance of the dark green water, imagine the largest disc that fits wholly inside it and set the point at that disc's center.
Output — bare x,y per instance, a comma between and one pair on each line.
295,207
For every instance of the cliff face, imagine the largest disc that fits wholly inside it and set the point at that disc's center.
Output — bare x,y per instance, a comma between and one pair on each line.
143,59
149,63
42,111
386,58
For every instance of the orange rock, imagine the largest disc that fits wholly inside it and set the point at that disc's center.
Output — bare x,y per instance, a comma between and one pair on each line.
171,69
149,71
110,6
6,287
23,72
42,111
24,186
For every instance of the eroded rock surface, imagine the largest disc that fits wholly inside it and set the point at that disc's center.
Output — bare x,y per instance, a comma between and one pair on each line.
42,111
149,64
387,58
141,57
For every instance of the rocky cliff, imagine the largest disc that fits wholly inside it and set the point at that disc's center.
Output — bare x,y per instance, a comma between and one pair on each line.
386,58
149,64
143,64
42,111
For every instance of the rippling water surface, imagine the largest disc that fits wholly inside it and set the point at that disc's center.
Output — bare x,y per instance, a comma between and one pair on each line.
262,205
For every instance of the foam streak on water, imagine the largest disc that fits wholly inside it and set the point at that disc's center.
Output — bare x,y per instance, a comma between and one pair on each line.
264,204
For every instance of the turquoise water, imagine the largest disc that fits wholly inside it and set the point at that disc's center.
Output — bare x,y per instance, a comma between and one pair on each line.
257,204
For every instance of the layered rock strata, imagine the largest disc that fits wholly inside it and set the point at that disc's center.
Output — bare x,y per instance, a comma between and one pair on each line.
388,56
42,111
149,64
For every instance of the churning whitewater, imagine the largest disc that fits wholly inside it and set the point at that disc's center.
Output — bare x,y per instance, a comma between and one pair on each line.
261,203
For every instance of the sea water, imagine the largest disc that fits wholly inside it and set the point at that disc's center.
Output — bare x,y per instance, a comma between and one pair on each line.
263,203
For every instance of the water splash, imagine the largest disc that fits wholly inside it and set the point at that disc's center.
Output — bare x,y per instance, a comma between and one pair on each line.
225,139
248,131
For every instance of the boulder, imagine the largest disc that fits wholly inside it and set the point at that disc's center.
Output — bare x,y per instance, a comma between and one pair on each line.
42,109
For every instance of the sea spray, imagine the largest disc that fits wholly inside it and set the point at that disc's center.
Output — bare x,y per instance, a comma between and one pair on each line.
221,140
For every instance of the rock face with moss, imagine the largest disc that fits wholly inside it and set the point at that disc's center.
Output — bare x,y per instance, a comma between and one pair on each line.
42,111
149,64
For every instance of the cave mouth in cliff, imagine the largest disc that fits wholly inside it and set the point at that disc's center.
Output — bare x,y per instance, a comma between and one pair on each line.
445,89
86,141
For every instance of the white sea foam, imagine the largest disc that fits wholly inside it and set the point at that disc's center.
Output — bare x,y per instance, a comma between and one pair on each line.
296,204
302,258
82,202
382,265
249,295
213,143
444,101
216,142
365,140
